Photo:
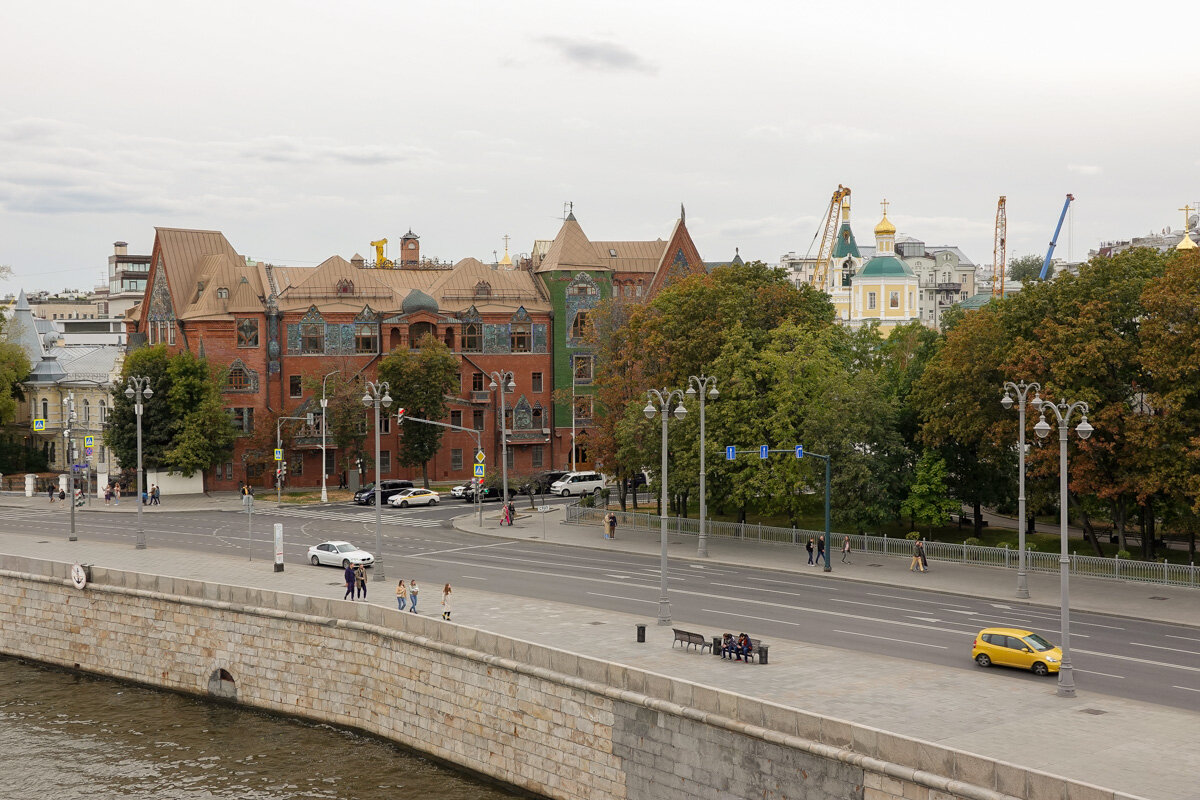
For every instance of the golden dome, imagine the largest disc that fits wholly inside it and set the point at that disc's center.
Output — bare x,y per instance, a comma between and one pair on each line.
885,227
1186,243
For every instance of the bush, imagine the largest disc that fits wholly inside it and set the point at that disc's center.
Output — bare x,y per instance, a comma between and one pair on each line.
973,542
912,536
587,501
605,493
1123,554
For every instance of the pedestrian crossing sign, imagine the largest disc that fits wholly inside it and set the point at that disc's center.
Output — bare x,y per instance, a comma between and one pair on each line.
479,470
278,454
89,441
39,424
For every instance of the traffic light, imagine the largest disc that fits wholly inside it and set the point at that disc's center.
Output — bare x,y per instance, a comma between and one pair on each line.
400,415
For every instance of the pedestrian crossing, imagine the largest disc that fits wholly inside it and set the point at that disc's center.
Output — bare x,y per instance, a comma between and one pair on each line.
389,517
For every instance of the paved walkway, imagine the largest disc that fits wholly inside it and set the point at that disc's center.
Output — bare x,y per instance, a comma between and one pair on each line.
1140,748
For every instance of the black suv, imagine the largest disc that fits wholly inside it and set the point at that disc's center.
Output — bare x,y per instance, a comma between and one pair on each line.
491,491
541,483
366,495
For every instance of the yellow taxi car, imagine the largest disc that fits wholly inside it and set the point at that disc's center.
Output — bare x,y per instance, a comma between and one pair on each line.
1014,647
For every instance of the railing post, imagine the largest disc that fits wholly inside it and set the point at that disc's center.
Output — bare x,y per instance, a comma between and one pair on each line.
793,534
1007,563
1117,565
964,547
760,533
885,544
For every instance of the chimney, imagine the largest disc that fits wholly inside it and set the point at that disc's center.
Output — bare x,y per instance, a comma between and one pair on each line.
120,248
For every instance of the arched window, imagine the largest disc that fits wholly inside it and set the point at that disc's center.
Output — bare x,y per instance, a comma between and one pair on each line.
472,341
103,412
418,331
45,409
393,338
87,413
365,340
222,294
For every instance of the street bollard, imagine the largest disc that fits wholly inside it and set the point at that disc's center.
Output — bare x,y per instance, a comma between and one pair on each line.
641,632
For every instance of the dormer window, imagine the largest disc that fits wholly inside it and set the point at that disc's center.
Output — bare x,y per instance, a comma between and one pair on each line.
612,253
483,289
222,294
345,286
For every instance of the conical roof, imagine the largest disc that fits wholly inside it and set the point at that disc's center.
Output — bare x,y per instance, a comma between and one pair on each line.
571,250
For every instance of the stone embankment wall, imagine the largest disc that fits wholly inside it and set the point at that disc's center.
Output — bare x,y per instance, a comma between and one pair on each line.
551,722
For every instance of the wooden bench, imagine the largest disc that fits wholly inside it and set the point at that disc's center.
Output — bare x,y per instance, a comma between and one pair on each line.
688,639
757,652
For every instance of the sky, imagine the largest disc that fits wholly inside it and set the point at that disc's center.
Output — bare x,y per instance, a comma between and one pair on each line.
307,129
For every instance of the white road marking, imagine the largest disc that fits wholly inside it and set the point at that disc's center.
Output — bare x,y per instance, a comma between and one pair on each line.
942,603
1091,672
760,589
1184,638
621,597
1160,647
890,639
1001,605
871,605
1186,688
925,619
459,549
1139,660
474,577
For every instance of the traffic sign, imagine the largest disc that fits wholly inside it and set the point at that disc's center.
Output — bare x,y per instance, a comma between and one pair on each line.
87,451
89,441
278,454
479,456
730,453
479,470
799,451
39,424
763,450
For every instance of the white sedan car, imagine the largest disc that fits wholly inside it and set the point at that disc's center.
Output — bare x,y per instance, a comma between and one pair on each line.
414,497
339,554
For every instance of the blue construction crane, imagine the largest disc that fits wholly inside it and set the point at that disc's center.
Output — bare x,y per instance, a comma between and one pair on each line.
1054,241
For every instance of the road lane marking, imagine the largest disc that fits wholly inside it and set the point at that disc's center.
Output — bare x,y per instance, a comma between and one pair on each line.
890,639
864,603
621,597
1185,638
459,549
760,589
1186,688
1160,647
472,577
941,603
1092,672
1140,660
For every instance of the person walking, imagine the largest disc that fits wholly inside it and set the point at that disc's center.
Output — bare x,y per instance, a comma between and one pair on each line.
360,580
51,493
610,525
809,548
512,512
413,591
108,494
154,494
117,494
916,557
349,575
446,592
401,595
821,550
846,550
924,560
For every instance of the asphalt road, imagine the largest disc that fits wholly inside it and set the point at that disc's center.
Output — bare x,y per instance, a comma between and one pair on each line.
1136,659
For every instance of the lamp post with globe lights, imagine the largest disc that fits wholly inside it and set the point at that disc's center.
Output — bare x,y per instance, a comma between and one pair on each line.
1062,414
377,395
696,386
324,407
665,399
503,379
1021,390
135,389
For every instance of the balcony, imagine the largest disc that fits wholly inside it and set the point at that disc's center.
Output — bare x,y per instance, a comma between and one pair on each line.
481,397
949,287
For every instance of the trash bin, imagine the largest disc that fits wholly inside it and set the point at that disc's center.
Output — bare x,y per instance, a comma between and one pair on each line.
762,653
641,633
716,648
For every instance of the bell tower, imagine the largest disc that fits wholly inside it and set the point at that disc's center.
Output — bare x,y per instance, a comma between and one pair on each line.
410,250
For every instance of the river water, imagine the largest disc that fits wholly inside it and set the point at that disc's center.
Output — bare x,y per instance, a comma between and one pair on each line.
65,736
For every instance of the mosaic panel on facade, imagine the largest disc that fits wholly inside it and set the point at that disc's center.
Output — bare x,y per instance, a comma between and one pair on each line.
251,386
339,339
522,414
161,308
497,339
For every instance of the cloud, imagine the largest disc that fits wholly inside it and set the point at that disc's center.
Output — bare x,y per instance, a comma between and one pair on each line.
293,150
1084,169
816,133
598,54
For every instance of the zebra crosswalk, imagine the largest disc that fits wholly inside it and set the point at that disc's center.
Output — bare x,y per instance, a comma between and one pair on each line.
389,517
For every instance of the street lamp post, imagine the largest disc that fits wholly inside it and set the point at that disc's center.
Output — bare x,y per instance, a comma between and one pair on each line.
697,385
377,394
503,379
1062,414
664,399
137,387
324,405
69,455
1021,390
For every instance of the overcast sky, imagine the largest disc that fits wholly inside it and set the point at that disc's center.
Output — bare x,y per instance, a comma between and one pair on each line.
307,129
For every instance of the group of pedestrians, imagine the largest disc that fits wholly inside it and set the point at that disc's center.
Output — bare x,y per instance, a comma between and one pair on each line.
112,493
820,550
508,514
919,561
738,648
408,596
151,495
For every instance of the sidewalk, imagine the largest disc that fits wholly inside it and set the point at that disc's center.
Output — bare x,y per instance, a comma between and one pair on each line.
216,501
1144,749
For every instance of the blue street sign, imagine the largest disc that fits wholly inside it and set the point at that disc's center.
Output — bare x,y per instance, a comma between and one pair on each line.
730,453
763,450
799,451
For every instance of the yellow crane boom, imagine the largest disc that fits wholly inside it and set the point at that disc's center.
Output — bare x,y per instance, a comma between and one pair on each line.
999,249
829,237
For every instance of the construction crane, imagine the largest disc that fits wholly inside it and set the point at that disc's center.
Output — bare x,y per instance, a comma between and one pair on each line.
382,262
828,237
1054,241
999,249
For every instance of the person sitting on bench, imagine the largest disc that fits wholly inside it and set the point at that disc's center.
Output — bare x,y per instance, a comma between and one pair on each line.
742,647
727,642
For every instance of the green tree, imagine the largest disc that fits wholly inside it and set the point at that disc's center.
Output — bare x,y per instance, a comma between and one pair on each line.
420,379
1028,268
158,423
927,502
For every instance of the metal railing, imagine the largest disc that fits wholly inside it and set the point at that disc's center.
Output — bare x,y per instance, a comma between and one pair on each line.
1123,569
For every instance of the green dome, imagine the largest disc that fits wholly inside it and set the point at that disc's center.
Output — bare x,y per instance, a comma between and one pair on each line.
885,267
